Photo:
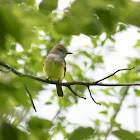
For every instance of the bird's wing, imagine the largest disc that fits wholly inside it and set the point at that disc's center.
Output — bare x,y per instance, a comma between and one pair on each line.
64,67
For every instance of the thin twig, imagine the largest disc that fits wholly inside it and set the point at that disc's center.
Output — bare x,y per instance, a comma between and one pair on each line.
92,97
30,98
75,93
113,74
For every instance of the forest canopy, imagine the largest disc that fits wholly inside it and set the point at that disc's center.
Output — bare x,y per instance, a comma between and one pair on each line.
28,31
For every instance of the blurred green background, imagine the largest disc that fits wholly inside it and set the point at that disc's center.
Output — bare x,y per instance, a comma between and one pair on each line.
28,31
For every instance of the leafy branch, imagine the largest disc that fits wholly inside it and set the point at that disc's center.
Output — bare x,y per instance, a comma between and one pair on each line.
68,84
116,112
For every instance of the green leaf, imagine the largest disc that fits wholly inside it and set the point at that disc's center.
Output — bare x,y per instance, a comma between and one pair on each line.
46,6
8,132
105,104
132,106
74,20
94,40
11,133
138,43
128,17
137,92
9,26
94,27
97,122
40,127
98,59
37,124
85,53
125,135
104,112
68,22
109,20
82,133
48,103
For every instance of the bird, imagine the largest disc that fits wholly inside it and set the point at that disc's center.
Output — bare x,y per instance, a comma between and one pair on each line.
54,65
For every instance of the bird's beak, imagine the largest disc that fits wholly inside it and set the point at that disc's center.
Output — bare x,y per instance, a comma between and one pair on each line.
69,53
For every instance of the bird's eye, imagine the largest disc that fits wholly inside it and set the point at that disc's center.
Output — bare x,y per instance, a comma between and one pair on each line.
61,50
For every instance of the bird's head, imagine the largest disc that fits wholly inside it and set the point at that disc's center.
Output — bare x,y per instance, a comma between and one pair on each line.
60,50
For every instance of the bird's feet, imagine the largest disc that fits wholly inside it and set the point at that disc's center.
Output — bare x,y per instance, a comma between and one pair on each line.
58,81
49,79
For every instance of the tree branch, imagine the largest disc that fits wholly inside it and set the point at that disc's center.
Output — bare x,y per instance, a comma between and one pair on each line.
96,83
68,84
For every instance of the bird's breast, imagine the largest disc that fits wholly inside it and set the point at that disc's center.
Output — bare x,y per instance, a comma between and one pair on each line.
54,68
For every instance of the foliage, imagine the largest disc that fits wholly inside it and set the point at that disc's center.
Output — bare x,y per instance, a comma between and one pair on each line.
27,34
125,135
82,133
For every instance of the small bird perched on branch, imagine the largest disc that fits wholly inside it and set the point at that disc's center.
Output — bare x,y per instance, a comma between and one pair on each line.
54,65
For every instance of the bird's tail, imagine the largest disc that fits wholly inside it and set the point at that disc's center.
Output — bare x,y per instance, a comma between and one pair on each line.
59,90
